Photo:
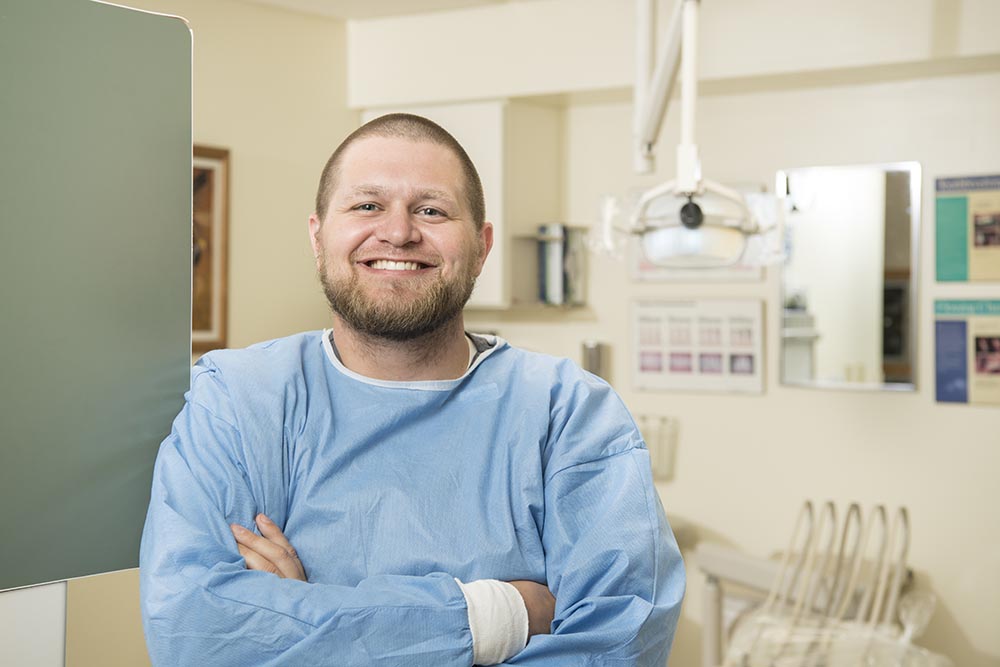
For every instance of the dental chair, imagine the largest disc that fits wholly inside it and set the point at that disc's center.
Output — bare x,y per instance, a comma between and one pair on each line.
831,601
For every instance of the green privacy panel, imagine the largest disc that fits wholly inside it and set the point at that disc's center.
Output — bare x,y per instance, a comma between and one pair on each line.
95,266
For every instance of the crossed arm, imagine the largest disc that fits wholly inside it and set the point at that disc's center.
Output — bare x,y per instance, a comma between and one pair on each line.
272,552
617,595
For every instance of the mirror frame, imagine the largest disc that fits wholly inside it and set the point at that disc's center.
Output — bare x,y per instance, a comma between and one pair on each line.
912,311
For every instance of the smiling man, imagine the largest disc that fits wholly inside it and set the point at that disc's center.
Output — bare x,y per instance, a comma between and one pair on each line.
399,236
394,490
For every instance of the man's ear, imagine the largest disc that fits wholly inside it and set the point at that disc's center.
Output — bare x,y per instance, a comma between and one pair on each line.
315,225
485,244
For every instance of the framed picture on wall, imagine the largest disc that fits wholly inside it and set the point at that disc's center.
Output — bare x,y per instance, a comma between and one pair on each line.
210,248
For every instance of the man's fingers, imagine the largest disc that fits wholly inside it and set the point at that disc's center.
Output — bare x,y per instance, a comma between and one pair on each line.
271,531
257,562
265,555
284,558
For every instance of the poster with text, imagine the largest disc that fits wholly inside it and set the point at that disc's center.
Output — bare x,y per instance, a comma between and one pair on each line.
698,345
967,351
967,226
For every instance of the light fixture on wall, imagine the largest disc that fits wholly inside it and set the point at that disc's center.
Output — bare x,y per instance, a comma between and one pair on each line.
688,222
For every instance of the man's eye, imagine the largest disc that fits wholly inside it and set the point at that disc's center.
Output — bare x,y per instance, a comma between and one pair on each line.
366,207
429,211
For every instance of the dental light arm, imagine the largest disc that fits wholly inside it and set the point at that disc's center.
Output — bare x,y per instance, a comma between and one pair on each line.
650,96
681,230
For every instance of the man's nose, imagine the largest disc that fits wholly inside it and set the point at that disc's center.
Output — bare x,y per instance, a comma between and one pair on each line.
398,228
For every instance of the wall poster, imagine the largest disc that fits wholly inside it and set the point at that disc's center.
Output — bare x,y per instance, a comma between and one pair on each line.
967,226
698,345
967,351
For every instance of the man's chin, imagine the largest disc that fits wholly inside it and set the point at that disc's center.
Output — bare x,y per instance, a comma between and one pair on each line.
411,287
387,324
392,299
396,309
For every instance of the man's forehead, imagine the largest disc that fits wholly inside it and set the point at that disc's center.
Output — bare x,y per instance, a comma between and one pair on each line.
376,164
388,147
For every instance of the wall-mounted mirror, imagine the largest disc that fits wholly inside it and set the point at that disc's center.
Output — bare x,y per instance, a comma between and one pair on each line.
849,284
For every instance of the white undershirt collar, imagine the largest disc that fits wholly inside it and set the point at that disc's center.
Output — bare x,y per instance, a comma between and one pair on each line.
481,346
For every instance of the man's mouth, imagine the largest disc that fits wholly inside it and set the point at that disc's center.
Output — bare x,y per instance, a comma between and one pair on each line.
392,265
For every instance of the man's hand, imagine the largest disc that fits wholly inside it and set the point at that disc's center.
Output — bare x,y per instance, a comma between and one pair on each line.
270,551
540,604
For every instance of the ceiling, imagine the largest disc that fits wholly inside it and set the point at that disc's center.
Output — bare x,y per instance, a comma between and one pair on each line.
368,9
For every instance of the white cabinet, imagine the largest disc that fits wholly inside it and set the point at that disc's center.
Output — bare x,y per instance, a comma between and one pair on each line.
516,147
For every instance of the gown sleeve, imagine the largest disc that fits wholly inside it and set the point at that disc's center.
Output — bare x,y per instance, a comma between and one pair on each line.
201,606
611,559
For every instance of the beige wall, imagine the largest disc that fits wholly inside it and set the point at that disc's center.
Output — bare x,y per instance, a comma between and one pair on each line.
103,622
270,86
786,85
545,46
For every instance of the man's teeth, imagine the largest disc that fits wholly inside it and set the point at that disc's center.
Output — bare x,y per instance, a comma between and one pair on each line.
389,265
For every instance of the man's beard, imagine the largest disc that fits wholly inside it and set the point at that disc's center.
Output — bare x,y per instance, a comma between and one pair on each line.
402,314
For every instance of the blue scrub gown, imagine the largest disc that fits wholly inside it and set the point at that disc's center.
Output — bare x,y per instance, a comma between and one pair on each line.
526,467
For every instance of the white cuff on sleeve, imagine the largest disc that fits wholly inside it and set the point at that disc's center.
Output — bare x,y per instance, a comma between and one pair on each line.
498,620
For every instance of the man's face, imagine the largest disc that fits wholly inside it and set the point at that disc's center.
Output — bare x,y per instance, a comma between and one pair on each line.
398,252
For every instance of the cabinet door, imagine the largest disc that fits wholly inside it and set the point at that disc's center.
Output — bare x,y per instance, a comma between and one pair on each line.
478,126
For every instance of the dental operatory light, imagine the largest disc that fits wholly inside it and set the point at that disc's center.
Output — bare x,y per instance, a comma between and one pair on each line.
689,222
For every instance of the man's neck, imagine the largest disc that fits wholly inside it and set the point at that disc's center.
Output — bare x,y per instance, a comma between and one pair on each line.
440,355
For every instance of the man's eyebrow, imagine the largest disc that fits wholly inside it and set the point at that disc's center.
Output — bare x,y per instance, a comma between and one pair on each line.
435,194
374,190
369,190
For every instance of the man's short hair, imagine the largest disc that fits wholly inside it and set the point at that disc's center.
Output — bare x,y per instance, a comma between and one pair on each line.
414,128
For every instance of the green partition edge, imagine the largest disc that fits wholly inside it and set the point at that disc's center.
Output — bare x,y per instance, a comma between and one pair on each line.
95,277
